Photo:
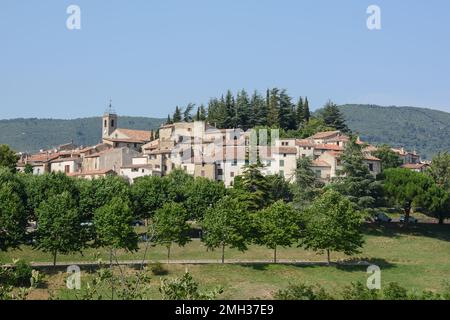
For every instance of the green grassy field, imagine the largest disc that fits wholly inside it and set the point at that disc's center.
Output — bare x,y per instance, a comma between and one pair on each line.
418,258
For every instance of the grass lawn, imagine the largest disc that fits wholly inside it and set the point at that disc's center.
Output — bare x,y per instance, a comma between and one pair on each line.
417,258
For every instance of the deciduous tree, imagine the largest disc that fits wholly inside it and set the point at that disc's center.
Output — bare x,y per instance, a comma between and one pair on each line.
332,224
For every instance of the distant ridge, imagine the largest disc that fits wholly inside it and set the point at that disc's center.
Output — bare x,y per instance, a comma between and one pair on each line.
424,130
29,135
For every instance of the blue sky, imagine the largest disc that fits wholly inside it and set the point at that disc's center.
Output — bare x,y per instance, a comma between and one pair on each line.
149,56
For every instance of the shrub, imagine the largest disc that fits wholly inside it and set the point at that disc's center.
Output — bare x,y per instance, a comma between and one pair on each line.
358,291
158,269
303,292
22,274
394,291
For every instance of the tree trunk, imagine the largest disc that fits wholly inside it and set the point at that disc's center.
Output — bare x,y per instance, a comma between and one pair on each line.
54,258
328,257
168,254
407,214
223,252
112,276
275,255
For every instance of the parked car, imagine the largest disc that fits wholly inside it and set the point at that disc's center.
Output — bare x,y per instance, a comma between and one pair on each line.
411,219
382,217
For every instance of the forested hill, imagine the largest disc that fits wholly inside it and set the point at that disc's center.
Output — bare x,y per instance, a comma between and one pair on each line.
35,134
426,130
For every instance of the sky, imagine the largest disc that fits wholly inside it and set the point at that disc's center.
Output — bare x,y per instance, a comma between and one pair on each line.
149,56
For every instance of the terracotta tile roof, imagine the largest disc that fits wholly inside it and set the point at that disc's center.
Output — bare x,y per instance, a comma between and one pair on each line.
329,147
91,173
414,166
138,166
141,135
320,163
65,159
288,150
324,135
126,140
339,139
304,143
159,151
370,148
371,158
151,145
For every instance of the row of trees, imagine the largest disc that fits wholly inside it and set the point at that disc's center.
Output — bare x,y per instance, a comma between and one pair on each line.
267,210
74,214
274,109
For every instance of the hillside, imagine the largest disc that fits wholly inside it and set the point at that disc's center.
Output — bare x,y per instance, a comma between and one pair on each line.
425,130
35,134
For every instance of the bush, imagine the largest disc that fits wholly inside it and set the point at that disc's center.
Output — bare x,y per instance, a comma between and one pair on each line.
358,291
18,276
158,269
303,292
394,291
186,288
22,274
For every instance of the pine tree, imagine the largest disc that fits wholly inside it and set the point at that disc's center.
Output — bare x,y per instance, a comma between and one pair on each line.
169,121
230,106
202,113
333,117
242,110
187,112
287,116
259,110
217,113
274,108
306,112
177,115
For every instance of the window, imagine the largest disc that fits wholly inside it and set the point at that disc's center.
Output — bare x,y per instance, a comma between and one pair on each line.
220,172
67,169
135,145
281,163
143,171
318,173
112,123
105,124
281,172
232,174
185,168
284,155
371,166
134,170
234,164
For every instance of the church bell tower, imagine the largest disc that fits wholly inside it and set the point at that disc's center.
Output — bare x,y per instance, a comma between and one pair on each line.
109,121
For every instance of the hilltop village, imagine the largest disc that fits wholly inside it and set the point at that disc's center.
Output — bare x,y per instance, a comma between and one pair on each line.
201,150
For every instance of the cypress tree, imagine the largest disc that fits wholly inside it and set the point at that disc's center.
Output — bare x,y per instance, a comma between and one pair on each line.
300,113
306,112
